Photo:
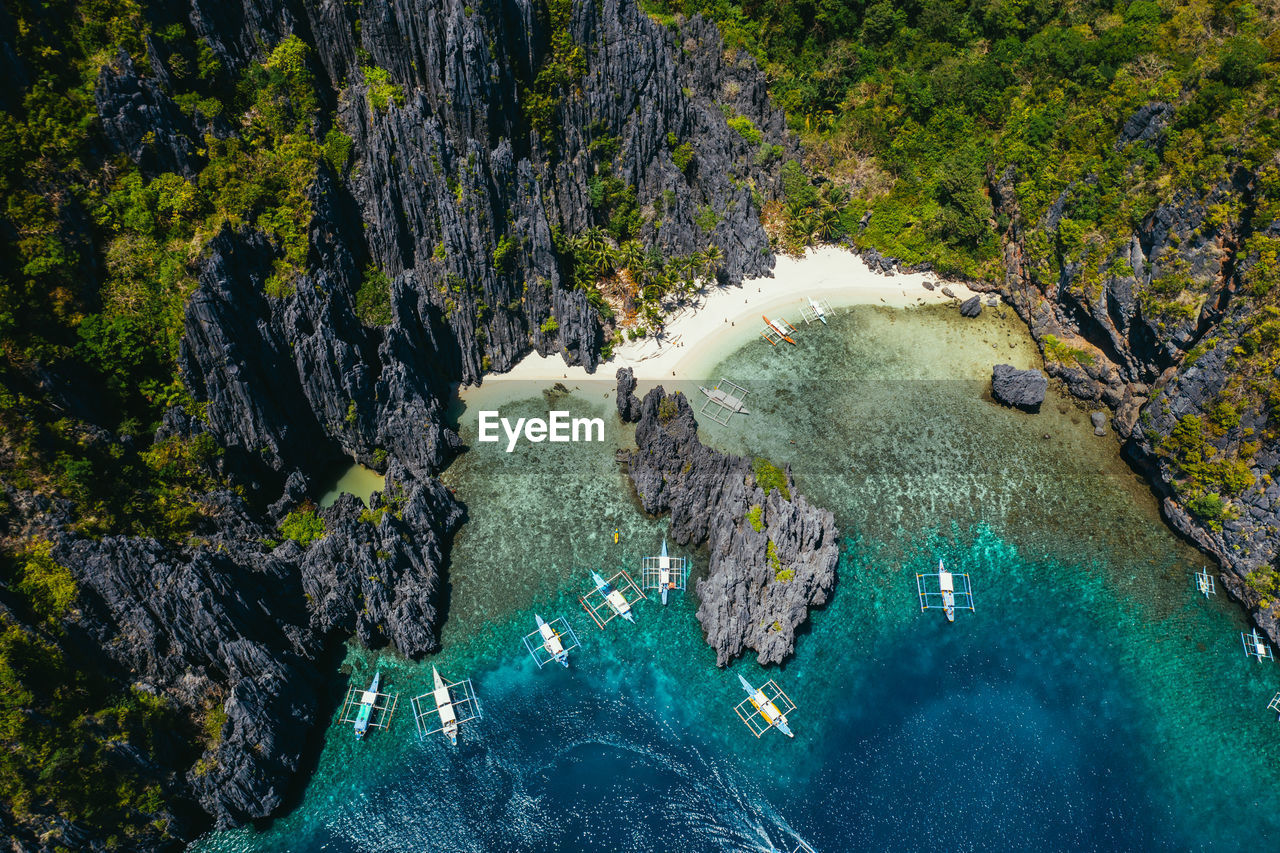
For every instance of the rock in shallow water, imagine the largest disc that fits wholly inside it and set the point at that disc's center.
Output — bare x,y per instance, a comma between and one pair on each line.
1022,389
971,307
628,402
1099,421
772,556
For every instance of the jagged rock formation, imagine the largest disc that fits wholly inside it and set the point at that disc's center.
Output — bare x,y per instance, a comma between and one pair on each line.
772,556
209,629
628,402
377,574
465,206
1022,389
238,626
1163,327
438,183
971,307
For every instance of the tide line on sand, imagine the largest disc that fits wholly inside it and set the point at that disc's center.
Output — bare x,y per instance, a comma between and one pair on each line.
697,334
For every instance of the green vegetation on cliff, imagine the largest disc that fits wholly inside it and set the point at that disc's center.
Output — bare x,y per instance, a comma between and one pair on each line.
93,288
919,106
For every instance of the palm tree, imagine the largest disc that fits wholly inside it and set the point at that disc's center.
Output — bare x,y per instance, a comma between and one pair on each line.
633,256
827,225
712,257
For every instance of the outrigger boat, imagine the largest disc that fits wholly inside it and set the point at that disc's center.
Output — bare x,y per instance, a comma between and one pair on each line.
368,709
444,707
948,588
725,399
366,706
814,309
1255,646
952,591
550,643
766,708
617,601
609,599
778,330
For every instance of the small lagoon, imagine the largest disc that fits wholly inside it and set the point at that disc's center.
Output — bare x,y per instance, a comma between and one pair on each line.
1093,701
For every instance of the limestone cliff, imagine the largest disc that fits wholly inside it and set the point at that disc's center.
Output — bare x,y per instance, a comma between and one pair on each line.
773,554
465,204
1172,325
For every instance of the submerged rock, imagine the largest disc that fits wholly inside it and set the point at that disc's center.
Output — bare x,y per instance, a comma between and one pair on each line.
1022,389
772,554
1099,421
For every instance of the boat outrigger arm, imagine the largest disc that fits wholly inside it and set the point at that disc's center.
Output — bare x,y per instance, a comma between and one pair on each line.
368,708
768,709
552,641
446,707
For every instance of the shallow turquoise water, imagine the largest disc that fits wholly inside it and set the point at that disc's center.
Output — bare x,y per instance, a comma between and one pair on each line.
1093,701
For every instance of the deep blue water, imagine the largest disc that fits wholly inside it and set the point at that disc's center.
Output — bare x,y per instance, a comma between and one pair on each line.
1093,701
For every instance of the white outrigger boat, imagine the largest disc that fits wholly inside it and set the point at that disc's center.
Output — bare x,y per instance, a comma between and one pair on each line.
617,601
664,573
953,591
450,705
551,642
1204,583
774,717
1255,646
815,310
725,400
611,598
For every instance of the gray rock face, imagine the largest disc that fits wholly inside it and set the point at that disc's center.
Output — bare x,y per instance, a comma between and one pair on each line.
436,186
1147,125
239,627
1154,362
295,381
1099,421
971,307
209,629
379,578
140,120
1022,389
760,583
628,402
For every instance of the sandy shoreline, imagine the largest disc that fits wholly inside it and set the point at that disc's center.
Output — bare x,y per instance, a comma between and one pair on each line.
700,334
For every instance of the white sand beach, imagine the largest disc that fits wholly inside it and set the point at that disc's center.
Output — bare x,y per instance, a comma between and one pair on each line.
697,336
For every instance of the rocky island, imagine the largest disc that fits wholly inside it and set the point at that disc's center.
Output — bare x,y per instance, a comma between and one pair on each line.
773,554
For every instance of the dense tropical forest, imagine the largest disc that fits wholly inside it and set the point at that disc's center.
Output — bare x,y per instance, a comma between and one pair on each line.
915,107
909,114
